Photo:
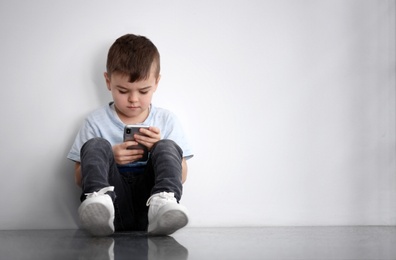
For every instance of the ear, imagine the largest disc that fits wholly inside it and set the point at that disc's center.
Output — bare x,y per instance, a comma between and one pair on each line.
157,81
107,80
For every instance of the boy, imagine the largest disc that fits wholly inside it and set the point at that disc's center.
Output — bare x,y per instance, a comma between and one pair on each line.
120,192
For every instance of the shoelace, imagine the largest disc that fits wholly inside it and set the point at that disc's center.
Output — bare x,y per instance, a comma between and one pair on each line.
100,192
163,195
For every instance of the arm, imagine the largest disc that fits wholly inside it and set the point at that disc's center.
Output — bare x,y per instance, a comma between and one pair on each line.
77,174
184,170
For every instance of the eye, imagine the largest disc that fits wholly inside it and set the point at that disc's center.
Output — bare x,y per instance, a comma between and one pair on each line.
143,92
122,91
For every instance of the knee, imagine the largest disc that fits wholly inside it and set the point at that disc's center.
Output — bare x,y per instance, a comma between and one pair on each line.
167,145
96,143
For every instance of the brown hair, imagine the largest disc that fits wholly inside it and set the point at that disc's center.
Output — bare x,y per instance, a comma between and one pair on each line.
133,55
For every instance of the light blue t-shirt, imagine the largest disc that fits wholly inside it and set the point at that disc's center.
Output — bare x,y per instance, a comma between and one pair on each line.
105,123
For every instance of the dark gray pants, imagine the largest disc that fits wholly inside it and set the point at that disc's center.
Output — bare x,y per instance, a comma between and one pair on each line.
163,172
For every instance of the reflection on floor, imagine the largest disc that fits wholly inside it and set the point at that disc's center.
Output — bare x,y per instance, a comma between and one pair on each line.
206,243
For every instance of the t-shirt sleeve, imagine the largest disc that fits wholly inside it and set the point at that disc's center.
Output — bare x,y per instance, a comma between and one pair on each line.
85,133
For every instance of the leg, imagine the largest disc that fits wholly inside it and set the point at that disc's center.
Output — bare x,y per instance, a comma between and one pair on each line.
165,215
165,164
98,168
96,211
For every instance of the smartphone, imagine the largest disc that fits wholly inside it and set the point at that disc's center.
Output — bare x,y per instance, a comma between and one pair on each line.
129,132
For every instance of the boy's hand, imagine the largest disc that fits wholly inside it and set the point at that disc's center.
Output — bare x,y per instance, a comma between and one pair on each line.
152,135
122,155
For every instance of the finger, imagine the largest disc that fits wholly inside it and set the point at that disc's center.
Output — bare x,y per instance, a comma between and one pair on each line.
155,129
141,139
133,157
146,141
130,160
130,156
128,144
147,135
151,131
137,154
133,152
144,132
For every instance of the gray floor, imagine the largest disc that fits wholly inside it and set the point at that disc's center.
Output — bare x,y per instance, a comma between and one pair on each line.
206,243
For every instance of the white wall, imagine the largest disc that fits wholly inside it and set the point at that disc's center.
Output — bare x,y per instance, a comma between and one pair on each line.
290,105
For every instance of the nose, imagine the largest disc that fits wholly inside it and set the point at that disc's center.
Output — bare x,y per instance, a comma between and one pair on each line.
132,98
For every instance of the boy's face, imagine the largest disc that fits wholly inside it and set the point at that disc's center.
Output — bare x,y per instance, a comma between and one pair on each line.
131,100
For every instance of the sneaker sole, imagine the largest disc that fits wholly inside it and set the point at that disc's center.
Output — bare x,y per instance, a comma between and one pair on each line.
168,222
96,219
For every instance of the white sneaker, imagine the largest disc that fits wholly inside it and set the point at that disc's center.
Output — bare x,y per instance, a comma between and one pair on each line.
97,213
165,215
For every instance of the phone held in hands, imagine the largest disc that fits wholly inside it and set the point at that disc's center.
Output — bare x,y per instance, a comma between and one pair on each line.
129,132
